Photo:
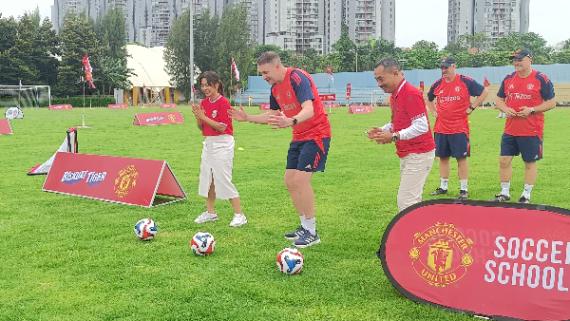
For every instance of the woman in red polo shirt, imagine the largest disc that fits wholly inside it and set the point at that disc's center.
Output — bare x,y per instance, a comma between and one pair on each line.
217,152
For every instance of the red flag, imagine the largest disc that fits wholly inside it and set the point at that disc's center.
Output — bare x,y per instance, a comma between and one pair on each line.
486,82
235,70
88,71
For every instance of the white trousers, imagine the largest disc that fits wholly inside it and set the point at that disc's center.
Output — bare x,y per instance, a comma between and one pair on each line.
414,170
217,166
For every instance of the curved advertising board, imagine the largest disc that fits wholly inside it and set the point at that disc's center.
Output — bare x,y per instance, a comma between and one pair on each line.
499,260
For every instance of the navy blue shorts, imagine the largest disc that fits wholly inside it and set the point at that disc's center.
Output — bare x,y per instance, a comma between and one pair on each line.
308,156
530,147
452,145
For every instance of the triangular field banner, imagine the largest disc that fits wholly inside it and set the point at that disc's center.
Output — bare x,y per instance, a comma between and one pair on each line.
5,128
131,181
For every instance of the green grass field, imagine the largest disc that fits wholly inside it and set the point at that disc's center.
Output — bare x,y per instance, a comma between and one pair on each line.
69,258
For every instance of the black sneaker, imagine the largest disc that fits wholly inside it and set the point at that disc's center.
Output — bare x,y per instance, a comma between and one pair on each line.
307,240
439,191
524,200
501,198
296,234
463,195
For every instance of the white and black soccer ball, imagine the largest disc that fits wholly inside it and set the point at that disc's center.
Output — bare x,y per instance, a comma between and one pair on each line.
146,229
202,243
290,261
14,113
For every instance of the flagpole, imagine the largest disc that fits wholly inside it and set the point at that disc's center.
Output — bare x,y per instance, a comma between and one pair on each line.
231,80
19,94
191,48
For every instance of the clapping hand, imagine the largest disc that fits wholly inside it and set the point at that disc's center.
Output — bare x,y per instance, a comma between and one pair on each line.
238,114
198,112
279,121
380,136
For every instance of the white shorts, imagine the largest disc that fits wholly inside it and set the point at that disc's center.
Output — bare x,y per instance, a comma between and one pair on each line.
217,165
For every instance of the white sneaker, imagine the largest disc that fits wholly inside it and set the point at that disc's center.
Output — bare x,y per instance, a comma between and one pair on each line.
206,217
238,220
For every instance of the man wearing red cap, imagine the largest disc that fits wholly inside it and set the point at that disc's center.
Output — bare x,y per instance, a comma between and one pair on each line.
451,130
524,96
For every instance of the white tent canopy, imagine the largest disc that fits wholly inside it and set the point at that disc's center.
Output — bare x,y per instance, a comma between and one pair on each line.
148,65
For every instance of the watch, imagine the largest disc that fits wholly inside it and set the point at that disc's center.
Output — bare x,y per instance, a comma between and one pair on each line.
395,137
295,121
471,107
532,110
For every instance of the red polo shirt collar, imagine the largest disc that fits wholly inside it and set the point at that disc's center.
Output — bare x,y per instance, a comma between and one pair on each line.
400,85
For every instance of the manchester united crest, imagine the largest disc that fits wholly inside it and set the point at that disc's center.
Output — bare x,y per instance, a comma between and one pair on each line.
441,254
126,181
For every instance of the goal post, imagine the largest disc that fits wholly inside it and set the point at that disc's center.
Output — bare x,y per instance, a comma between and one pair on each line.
25,95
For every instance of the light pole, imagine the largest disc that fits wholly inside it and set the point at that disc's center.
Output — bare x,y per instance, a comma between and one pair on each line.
191,48
355,58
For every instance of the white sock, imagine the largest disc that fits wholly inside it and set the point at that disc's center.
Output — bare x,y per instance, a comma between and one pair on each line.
310,225
302,218
526,191
463,184
506,188
444,183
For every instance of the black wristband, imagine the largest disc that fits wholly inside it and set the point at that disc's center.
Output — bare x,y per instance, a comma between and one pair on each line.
471,107
295,121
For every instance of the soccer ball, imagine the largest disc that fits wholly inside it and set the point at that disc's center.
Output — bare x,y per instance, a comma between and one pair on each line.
203,243
290,261
146,229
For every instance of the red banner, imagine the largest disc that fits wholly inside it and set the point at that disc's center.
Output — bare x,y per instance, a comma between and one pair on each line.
117,106
122,180
60,107
328,97
164,118
359,109
264,106
168,106
5,128
484,258
348,91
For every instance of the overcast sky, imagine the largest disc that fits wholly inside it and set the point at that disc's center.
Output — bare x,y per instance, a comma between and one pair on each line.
415,19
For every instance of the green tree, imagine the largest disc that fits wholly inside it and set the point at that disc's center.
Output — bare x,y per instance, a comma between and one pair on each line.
27,50
233,40
205,29
561,57
479,41
177,53
11,66
344,52
77,38
112,71
542,53
423,55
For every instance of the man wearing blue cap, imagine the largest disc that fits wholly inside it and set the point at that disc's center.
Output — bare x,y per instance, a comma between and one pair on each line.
524,96
451,130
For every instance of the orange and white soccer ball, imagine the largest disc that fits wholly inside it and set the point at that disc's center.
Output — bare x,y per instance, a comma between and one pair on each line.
202,244
290,261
